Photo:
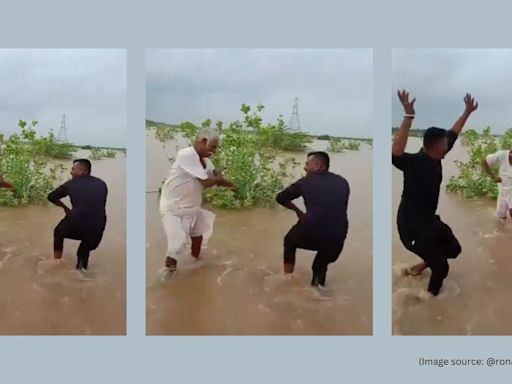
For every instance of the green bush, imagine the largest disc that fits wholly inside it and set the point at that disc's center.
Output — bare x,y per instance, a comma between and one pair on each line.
49,147
253,171
248,161
96,154
248,156
189,130
24,162
99,154
471,180
337,145
109,153
274,136
164,133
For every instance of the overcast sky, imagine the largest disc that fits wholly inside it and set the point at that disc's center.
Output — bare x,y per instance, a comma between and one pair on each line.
89,86
439,80
334,87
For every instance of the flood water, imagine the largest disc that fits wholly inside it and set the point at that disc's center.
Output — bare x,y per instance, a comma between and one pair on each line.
38,297
476,295
238,287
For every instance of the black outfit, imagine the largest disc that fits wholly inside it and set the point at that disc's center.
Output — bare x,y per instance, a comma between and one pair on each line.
325,225
87,219
421,230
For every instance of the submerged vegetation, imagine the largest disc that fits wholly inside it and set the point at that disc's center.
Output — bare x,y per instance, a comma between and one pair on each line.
337,145
33,164
25,162
414,132
98,153
471,180
248,156
259,157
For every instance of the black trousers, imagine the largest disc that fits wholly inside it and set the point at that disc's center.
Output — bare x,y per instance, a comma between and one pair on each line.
328,249
433,241
90,239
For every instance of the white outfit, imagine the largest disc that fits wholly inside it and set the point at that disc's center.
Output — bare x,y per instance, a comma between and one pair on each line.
180,202
504,204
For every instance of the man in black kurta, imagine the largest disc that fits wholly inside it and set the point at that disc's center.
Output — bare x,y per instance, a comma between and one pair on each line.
324,225
86,220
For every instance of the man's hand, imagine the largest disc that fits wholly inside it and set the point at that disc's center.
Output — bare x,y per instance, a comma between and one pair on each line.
400,141
5,184
471,104
403,96
219,181
227,184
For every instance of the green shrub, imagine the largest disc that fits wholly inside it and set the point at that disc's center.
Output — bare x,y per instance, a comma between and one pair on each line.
337,145
471,180
24,162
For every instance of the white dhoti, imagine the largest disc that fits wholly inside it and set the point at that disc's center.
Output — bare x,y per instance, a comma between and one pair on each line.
179,230
504,203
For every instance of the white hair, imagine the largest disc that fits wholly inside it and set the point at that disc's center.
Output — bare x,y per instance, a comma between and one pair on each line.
208,134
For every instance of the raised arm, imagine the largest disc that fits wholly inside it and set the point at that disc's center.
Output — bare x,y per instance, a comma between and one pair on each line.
400,141
471,106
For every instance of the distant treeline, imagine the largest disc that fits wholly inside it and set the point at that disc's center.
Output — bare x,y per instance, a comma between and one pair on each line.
176,128
329,137
89,147
413,132
157,124
419,132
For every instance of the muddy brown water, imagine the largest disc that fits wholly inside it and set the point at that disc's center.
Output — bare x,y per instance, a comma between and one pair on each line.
38,297
238,287
476,295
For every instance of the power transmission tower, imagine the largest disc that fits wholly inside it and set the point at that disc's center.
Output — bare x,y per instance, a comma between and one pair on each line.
63,134
294,120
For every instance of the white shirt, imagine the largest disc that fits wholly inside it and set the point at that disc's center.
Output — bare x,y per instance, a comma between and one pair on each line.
182,192
501,158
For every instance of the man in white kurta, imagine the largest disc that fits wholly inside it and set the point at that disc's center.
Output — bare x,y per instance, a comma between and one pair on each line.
504,178
183,217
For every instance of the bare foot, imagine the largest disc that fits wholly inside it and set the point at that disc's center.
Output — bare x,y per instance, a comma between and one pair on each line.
288,268
57,256
195,247
171,264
